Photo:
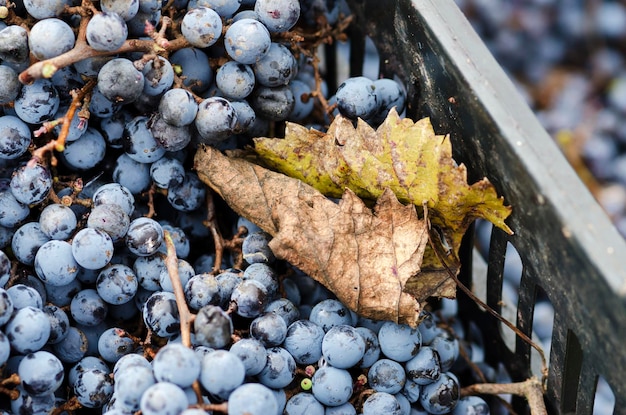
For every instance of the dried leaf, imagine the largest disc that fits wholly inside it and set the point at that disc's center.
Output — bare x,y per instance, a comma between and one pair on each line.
365,256
404,156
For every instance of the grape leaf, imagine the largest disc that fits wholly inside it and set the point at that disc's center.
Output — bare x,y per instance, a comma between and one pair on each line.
404,156
366,257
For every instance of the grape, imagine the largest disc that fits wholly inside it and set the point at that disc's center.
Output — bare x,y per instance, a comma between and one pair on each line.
46,29
12,211
88,308
279,370
137,24
255,248
62,295
424,367
329,313
399,342
144,236
277,67
178,107
278,15
14,44
26,241
131,174
303,105
167,171
160,314
381,403
37,102
247,40
113,344
131,383
250,296
128,360
285,309
201,290
343,346
245,116
171,137
273,103
356,98
55,263
116,194
177,364
117,284
41,373
221,373
31,185
194,66
15,137
213,327
269,328
447,348
139,143
92,248
6,306
147,269
252,354
57,221
29,404
106,32
93,388
441,396
225,8
73,346
158,76
28,330
87,362
252,399
119,81
235,80
372,347
215,120
101,106
304,403
127,9
345,409
86,152
387,376
389,94
24,296
201,26
189,195
9,87
59,323
304,341
332,386
109,218
42,9
5,349
112,128
163,398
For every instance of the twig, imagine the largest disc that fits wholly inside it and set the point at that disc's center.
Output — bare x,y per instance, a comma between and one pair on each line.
218,240
171,263
7,385
531,389
70,406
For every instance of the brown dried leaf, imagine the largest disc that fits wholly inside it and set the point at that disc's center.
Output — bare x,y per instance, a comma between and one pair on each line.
365,256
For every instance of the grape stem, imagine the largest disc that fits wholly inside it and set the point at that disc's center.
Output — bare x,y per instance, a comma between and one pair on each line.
70,406
5,388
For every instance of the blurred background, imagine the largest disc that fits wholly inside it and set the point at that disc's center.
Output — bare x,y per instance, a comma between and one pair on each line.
568,59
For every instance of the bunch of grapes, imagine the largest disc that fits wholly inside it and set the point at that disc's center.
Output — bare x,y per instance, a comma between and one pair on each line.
125,284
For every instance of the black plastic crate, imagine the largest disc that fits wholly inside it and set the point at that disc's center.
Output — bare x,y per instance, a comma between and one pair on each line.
570,251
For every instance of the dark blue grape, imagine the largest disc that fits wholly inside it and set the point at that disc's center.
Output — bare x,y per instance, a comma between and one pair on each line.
119,81
148,269
106,31
424,367
269,328
160,314
116,194
42,9
41,373
88,308
279,370
59,323
109,218
246,116
28,330
471,405
167,171
6,305
356,98
14,44
73,347
127,9
131,383
247,40
252,399
285,309
441,396
26,241
235,80
101,106
37,102
250,297
117,284
131,174
343,346
189,195
201,290
272,103
57,221
144,236
113,344
329,313
304,102
55,263
158,76
86,152
255,248
201,26
304,341
304,403
332,386
222,372
252,354
139,143
215,120
225,8
278,15
447,346
15,137
9,86
177,364
12,211
386,375
277,67
93,388
163,398
372,347
92,248
24,296
44,30
381,403
31,184
194,66
178,107
62,295
213,327
399,342
171,137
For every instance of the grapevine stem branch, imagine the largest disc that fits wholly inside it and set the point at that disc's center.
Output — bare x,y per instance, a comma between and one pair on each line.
531,389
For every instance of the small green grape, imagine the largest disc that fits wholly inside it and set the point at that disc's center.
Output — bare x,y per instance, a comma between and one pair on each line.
306,384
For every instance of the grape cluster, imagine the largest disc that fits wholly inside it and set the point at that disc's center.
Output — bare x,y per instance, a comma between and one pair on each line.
97,180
